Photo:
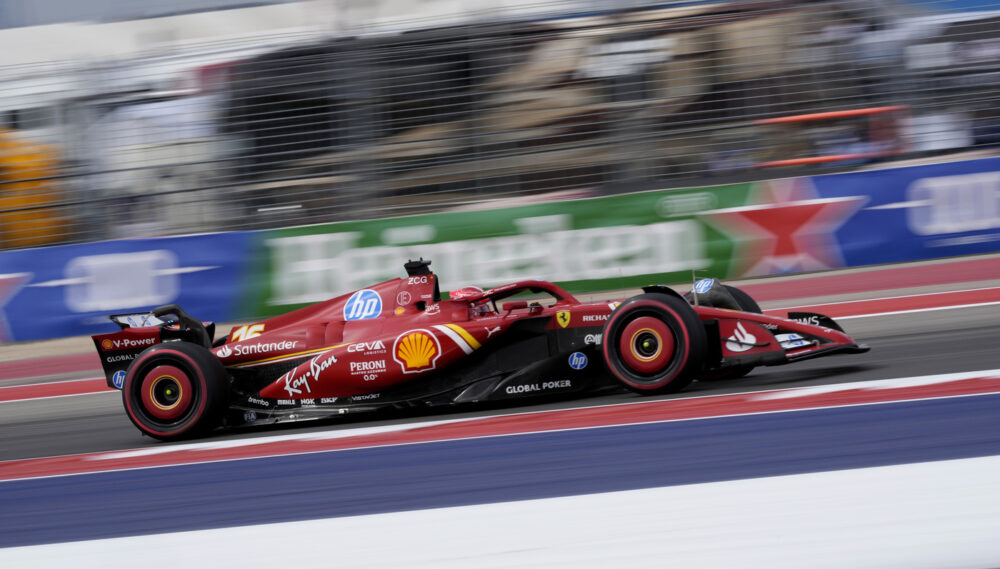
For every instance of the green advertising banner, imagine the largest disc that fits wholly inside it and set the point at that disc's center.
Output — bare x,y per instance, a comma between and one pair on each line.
584,245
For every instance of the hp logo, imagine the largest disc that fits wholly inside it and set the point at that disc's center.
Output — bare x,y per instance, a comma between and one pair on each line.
363,305
703,285
577,360
118,379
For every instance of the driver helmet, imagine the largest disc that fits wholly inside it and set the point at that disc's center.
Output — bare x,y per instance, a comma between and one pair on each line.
465,293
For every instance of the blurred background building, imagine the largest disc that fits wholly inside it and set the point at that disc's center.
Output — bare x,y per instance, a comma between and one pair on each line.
123,118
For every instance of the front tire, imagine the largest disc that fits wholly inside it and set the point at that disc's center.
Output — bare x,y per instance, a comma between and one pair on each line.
746,302
175,390
654,343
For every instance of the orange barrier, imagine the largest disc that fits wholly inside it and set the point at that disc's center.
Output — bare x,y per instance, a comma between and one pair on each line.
28,193
831,115
878,125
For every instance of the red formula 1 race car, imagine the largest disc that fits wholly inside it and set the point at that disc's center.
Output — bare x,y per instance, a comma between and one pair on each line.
399,344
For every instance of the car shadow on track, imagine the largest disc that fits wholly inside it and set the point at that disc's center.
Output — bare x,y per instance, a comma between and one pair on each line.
758,380
768,379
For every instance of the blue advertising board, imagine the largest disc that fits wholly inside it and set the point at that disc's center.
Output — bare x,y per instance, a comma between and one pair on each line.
918,212
69,290
933,6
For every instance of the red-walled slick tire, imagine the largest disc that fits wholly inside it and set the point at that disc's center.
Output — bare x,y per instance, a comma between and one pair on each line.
175,390
654,343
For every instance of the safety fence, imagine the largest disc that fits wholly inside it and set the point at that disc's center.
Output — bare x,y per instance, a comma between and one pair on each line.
731,231
347,121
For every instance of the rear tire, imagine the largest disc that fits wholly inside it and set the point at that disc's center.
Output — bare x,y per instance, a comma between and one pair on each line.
175,390
654,343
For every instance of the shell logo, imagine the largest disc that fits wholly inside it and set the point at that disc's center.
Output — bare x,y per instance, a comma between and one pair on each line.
416,351
106,344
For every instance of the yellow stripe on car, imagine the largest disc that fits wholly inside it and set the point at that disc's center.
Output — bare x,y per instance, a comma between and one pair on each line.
465,335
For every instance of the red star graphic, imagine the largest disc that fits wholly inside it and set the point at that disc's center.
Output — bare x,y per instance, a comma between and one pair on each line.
10,284
789,230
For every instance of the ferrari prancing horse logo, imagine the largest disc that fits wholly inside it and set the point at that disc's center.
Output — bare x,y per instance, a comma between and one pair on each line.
563,317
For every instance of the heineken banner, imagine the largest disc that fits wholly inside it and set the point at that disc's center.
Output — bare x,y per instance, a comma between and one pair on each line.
780,226
589,244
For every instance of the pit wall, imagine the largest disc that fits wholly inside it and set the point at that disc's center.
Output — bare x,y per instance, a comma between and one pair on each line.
792,225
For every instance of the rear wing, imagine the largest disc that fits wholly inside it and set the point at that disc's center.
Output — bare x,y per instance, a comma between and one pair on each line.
136,320
140,330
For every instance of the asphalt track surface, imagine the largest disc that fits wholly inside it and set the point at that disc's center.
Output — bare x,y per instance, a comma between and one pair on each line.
903,345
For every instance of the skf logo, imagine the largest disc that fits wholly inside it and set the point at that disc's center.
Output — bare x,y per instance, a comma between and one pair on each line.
563,317
416,351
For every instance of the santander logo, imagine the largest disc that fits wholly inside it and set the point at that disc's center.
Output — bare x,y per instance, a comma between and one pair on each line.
263,348
741,340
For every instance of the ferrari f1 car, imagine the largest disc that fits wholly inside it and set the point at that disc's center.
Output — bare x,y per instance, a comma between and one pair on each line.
399,344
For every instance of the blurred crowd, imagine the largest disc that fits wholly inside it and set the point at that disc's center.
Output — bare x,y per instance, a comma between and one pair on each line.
227,118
